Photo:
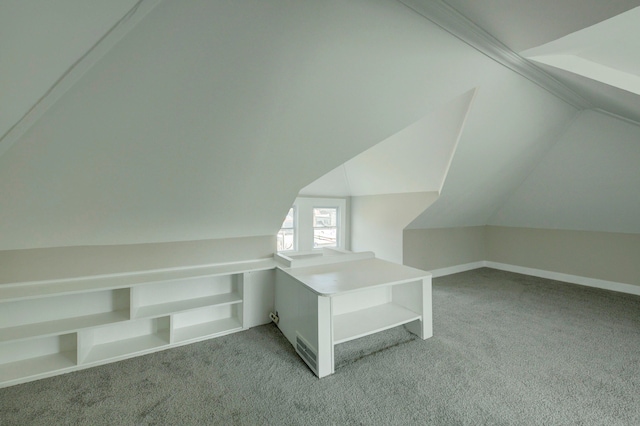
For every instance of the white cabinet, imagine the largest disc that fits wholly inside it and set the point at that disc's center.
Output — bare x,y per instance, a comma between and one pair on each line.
65,325
349,297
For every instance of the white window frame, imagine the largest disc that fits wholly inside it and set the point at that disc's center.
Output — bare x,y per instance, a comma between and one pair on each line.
295,231
303,222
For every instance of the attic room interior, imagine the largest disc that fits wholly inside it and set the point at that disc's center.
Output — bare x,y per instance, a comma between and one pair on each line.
320,212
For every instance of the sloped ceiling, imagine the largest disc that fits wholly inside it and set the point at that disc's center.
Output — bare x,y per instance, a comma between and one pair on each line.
204,119
207,118
524,24
601,61
40,42
415,159
509,129
589,180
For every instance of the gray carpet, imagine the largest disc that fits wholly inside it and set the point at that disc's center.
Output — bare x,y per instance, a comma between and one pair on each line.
508,350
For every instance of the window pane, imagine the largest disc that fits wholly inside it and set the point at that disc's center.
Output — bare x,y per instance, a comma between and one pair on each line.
285,240
325,237
325,217
325,227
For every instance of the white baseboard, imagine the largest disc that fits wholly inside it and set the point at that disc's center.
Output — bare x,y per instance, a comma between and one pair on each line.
574,279
558,276
456,269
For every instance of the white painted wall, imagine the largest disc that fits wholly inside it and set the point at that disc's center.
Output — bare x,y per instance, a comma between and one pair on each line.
430,249
589,181
66,262
377,221
579,256
605,256
206,120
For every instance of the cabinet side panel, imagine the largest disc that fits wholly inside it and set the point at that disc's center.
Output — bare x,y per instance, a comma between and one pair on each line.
258,297
297,309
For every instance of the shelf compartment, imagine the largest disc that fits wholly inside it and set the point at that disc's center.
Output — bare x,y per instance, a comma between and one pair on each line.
158,299
25,319
356,324
123,340
32,357
206,323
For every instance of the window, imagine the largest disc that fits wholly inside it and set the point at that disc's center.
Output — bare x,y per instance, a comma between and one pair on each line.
314,223
287,234
325,227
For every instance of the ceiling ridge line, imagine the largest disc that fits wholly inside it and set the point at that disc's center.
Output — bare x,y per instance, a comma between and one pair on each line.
76,71
458,25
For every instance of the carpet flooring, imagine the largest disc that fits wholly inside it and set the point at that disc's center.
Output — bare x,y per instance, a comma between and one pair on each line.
508,349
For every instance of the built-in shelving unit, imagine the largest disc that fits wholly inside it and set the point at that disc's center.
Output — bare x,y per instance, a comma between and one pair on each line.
331,299
61,326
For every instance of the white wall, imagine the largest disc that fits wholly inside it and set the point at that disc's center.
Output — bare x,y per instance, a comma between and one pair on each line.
66,262
377,221
606,256
600,255
430,249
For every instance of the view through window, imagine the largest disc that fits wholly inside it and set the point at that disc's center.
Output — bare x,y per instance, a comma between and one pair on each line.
325,227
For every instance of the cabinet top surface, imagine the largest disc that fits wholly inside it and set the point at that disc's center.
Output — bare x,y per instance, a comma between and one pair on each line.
334,279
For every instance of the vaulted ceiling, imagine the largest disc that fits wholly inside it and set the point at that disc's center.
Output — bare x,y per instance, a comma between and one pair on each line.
127,122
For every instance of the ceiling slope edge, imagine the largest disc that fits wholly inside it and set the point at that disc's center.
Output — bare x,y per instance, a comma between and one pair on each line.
76,71
492,218
472,98
452,21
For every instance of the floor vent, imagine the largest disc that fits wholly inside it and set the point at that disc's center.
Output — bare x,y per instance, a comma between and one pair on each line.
307,353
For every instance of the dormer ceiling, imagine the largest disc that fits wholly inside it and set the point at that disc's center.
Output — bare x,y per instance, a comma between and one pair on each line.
525,24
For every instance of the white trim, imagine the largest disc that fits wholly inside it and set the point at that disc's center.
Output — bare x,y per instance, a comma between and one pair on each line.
61,286
573,279
441,272
541,273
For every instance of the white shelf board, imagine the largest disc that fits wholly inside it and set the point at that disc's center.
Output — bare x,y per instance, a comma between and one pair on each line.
34,366
353,325
61,326
338,278
206,329
34,289
126,347
187,304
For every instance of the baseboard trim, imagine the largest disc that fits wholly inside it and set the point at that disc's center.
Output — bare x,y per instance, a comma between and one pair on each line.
456,269
573,279
541,273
